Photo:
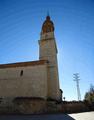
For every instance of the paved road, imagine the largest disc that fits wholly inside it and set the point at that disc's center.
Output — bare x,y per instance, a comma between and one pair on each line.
83,116
79,116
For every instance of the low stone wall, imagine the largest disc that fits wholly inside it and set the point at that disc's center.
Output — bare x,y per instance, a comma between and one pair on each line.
41,106
33,106
24,106
75,107
29,106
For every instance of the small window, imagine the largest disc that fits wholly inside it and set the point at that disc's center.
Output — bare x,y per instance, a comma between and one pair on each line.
21,73
1,100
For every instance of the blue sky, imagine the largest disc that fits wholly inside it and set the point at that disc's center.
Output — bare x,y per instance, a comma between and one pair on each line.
20,26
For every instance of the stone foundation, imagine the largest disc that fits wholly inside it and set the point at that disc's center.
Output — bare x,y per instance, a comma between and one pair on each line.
40,106
29,106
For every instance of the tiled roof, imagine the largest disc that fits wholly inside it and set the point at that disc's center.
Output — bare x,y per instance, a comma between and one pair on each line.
23,64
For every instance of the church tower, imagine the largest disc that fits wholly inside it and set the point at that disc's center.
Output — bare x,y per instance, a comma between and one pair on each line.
48,51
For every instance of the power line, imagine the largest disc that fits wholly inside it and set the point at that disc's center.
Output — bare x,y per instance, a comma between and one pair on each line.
76,78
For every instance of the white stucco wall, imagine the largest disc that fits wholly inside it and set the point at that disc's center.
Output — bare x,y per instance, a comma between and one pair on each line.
33,83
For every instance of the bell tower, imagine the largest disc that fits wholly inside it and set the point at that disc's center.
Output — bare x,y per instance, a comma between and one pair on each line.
48,51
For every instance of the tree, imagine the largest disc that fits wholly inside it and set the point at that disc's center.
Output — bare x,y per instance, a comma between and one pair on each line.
89,96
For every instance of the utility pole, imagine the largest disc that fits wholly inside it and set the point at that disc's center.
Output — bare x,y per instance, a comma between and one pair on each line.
76,79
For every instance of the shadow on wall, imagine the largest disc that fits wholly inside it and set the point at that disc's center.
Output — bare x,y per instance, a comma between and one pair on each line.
37,117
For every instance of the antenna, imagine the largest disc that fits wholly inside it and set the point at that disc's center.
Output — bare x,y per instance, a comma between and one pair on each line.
76,79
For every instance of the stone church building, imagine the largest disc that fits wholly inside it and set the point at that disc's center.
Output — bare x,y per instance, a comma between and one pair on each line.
35,81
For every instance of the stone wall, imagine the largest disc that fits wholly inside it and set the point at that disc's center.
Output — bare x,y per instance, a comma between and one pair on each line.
32,82
76,107
25,105
48,51
30,106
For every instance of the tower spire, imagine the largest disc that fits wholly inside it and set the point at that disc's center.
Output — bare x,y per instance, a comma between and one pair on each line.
48,13
48,25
